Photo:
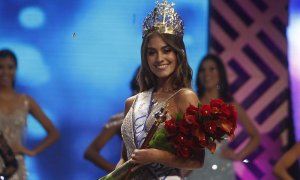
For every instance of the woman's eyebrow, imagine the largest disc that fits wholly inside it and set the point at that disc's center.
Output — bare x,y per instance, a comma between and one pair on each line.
166,46
163,47
150,49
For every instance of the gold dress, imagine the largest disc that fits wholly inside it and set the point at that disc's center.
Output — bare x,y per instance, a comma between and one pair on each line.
12,126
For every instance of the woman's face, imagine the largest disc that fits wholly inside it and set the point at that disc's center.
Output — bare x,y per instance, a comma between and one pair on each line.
209,75
161,57
7,71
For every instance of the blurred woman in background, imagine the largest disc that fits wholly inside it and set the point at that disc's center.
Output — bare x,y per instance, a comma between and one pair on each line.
212,83
14,108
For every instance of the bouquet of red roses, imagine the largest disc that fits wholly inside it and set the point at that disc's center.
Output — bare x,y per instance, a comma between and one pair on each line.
186,135
199,127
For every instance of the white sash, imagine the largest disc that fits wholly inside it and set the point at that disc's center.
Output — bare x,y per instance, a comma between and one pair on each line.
141,111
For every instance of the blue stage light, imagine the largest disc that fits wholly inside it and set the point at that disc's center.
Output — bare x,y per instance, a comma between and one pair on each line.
32,17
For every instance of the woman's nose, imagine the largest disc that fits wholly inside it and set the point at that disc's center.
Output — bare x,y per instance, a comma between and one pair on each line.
6,70
159,56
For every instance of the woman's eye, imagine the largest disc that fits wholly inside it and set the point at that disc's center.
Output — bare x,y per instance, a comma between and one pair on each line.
167,50
212,69
11,67
150,53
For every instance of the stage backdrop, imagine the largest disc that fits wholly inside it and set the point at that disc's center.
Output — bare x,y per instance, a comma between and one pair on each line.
250,36
76,59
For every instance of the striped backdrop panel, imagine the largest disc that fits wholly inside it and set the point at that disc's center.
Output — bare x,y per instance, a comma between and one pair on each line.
250,37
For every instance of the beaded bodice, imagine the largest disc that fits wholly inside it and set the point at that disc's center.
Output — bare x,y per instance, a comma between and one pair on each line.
136,126
13,124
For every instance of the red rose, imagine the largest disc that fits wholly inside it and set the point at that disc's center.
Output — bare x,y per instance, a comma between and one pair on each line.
210,127
183,152
215,110
225,110
193,142
205,110
182,140
216,103
183,145
191,120
199,127
184,127
171,127
191,110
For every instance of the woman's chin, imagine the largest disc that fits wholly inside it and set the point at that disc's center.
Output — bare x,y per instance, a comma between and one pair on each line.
210,87
163,75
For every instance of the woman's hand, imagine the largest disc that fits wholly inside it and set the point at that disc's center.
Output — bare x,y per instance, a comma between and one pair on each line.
142,157
152,155
145,156
20,149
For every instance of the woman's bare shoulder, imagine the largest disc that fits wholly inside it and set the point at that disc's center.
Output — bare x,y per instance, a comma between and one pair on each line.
129,101
184,98
187,95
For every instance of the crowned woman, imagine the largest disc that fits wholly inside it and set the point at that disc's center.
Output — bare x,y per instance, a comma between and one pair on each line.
165,85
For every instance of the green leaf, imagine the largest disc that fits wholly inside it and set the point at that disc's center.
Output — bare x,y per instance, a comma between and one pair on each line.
199,104
179,117
160,141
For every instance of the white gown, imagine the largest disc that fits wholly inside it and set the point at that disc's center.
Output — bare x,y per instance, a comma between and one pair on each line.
214,168
135,127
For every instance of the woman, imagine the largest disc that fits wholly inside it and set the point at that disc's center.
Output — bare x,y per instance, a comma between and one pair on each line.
164,81
212,84
14,108
111,128
8,157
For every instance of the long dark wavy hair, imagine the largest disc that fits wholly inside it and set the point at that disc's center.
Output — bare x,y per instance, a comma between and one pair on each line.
6,53
224,92
182,76
134,85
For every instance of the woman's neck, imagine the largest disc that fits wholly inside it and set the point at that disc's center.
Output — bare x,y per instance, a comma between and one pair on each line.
6,90
164,86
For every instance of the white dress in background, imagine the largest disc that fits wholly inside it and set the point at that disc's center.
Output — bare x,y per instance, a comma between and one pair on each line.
214,168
